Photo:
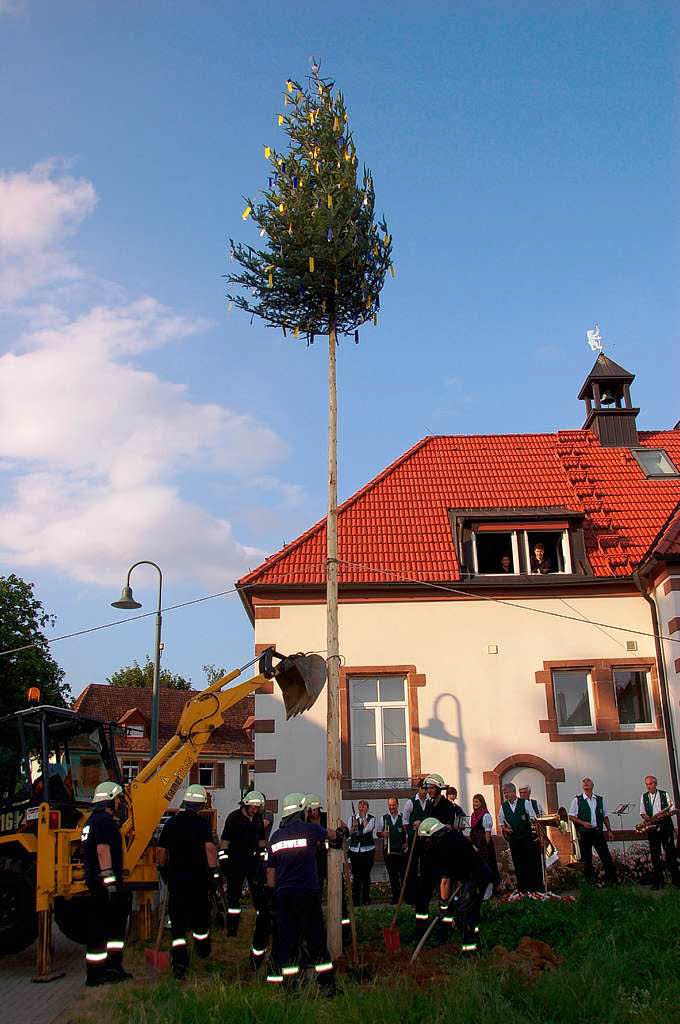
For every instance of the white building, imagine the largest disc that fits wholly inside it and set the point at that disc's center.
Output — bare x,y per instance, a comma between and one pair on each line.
451,664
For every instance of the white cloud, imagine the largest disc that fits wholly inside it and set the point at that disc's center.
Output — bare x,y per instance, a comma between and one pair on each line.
39,209
93,447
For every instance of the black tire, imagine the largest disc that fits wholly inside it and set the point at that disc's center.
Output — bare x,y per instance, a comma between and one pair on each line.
72,917
18,917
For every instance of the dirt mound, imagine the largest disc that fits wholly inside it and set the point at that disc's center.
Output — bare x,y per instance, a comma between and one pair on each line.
530,959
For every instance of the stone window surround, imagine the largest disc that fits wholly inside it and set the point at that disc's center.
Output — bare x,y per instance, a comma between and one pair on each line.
607,726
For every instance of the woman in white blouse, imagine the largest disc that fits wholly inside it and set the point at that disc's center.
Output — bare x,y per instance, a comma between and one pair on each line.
481,824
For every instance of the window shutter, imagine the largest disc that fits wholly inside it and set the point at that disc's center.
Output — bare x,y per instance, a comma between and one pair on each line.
193,775
219,775
468,565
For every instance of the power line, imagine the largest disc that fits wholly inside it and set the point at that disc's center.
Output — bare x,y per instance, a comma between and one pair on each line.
510,604
120,622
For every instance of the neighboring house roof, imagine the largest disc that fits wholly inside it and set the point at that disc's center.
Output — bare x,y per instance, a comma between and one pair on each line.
115,704
396,528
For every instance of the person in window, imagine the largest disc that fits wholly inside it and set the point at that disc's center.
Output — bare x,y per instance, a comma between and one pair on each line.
481,824
506,563
588,811
361,853
540,563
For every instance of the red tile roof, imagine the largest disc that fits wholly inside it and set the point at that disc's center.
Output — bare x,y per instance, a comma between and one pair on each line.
396,528
111,703
668,543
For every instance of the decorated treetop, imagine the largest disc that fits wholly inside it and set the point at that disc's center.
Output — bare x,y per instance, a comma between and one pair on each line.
325,258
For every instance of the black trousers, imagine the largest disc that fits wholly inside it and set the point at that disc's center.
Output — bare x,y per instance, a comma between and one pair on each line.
189,907
238,870
361,876
590,839
299,920
468,913
663,838
526,862
107,923
396,866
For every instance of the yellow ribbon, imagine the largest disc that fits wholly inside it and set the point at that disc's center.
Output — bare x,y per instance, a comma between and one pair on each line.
375,319
282,207
296,332
271,280
267,152
246,213
311,264
289,84
330,201
280,118
392,270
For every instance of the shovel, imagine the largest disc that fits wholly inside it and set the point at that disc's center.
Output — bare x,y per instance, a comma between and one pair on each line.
158,958
437,919
391,933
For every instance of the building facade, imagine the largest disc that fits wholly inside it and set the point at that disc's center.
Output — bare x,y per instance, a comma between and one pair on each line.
500,604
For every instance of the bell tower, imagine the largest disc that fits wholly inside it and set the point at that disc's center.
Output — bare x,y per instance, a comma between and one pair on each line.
609,412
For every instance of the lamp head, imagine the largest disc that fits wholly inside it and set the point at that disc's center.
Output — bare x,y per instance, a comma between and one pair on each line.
126,600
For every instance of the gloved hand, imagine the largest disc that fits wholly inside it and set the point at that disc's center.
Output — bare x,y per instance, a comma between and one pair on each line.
110,882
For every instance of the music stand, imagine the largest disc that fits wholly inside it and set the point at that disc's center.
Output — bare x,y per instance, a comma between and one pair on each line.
620,811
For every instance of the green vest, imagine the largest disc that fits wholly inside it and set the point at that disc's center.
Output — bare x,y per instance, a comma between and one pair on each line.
663,801
360,843
518,820
419,813
584,810
395,840
534,804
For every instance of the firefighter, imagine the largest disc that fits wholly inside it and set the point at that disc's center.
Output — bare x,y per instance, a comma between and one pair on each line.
463,876
187,857
243,843
110,904
292,874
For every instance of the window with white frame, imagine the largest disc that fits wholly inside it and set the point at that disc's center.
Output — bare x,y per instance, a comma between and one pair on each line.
379,730
654,463
206,774
573,690
499,550
130,771
633,697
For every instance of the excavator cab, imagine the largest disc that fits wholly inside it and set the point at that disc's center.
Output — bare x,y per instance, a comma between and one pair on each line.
48,756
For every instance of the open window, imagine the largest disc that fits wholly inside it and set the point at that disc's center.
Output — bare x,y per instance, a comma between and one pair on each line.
512,544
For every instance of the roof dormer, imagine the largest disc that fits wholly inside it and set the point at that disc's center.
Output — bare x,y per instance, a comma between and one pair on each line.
609,411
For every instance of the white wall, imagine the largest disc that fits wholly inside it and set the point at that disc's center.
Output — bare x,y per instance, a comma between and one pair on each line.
476,708
668,608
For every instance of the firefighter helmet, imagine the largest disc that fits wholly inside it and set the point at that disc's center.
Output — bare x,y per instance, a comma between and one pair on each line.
312,802
434,780
106,792
430,827
254,799
293,803
195,795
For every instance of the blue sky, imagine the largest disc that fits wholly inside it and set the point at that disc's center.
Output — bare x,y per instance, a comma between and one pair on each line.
524,159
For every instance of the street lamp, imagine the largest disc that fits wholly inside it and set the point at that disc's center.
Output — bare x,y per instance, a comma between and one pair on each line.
127,601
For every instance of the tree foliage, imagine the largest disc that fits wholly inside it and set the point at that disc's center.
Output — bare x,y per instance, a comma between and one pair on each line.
325,259
22,621
213,673
138,675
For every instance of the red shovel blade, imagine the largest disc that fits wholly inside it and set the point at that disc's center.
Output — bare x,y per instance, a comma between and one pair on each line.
392,939
160,960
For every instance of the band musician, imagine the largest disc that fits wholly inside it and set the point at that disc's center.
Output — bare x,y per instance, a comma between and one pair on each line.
515,821
652,802
589,813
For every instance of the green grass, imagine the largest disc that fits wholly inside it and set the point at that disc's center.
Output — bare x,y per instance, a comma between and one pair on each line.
621,952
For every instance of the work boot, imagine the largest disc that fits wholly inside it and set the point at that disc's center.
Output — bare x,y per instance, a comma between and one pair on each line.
117,974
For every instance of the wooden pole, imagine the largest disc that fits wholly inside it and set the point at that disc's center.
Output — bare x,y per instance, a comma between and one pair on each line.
334,923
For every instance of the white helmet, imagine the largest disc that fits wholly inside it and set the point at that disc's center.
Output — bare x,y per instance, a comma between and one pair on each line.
430,827
254,799
312,802
196,795
293,803
434,780
106,792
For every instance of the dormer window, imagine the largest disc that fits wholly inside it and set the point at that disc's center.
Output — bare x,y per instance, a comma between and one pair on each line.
514,545
654,463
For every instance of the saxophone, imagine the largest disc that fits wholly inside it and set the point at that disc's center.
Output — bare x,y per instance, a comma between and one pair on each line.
643,827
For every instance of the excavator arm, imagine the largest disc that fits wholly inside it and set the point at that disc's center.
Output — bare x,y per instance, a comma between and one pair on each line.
301,678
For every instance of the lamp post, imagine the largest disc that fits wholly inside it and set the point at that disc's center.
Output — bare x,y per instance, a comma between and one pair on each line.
127,601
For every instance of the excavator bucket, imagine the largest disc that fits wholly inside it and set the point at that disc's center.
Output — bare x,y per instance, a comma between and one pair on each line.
301,677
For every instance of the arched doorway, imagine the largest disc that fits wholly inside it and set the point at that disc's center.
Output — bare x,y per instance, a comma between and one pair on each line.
535,771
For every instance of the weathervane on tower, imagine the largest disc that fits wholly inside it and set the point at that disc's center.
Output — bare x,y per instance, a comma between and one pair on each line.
594,338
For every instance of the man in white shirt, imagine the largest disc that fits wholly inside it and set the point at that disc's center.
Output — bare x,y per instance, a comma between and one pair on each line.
525,794
362,853
514,819
589,813
652,802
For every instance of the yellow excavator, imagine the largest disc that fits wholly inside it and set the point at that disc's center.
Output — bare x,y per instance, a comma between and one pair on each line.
52,759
